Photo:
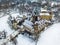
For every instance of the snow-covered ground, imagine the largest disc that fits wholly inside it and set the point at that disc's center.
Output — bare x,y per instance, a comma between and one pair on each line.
4,25
51,36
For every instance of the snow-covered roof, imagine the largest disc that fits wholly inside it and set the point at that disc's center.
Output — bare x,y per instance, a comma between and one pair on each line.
44,14
43,10
16,14
43,2
28,22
